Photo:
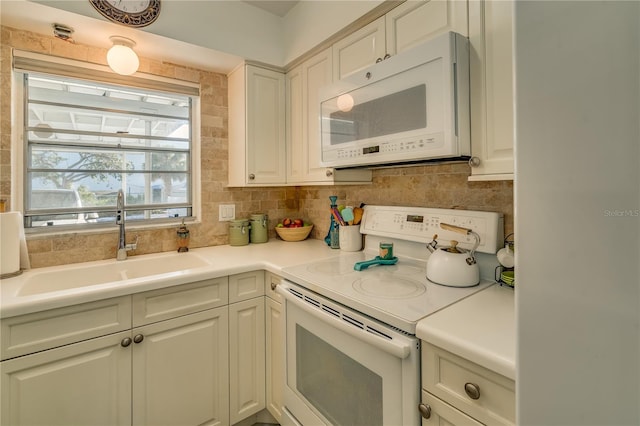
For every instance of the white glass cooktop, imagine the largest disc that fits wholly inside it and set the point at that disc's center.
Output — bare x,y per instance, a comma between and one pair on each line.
399,295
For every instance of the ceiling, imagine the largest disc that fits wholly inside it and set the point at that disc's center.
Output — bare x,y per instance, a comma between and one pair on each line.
244,25
278,7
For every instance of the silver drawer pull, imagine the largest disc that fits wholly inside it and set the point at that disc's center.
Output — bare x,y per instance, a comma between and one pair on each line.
472,390
425,410
125,342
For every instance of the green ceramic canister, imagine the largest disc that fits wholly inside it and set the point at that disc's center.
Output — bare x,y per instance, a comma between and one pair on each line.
239,232
259,228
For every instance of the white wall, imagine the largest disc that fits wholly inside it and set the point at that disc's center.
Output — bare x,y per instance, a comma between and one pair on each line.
577,204
311,22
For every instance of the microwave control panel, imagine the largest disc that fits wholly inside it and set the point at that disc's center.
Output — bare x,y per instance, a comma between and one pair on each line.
420,224
407,149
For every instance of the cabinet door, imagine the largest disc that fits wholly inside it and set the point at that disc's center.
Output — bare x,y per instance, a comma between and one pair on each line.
180,374
359,49
492,132
246,358
295,133
86,383
256,127
414,22
274,326
266,161
316,72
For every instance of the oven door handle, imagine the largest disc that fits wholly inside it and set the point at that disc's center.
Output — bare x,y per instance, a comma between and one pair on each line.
394,347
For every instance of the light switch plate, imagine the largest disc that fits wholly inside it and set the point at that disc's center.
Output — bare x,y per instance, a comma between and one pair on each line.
226,212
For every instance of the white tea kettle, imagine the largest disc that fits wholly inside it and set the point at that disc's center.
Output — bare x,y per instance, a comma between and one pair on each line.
453,266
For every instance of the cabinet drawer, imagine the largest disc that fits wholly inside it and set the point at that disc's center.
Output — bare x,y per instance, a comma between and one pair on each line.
39,331
167,303
441,413
246,286
446,375
270,283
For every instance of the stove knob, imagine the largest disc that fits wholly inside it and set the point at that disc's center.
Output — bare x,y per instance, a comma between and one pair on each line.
425,410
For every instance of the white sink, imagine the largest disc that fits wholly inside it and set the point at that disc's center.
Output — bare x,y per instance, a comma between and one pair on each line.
66,279
89,275
138,268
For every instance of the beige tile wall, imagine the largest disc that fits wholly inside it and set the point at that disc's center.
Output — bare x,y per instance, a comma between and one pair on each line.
433,186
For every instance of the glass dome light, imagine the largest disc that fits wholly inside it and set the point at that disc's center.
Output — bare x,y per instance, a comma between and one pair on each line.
121,57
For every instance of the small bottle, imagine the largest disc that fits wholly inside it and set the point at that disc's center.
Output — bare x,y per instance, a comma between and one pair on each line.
183,238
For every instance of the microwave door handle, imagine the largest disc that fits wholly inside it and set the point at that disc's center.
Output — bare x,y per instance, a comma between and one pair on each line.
398,349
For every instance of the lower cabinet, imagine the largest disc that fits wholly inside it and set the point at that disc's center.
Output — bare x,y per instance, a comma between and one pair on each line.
275,359
86,383
176,356
179,371
457,391
246,358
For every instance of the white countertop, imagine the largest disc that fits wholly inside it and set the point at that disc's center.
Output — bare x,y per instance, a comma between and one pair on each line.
480,328
225,260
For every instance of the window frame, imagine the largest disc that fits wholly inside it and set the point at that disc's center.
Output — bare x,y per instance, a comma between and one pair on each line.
84,71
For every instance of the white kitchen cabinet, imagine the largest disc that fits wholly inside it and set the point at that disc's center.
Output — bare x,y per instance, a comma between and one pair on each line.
416,21
246,358
303,125
85,383
180,374
403,27
86,364
462,388
256,127
491,66
275,359
359,49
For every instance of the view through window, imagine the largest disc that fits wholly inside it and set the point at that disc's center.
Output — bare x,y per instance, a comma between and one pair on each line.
87,140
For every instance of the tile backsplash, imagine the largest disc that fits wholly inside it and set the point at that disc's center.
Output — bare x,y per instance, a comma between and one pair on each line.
441,186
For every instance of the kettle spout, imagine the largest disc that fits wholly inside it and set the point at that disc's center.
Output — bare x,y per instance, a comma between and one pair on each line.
432,245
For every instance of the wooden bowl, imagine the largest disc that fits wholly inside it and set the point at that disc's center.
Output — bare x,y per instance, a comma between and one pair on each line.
294,234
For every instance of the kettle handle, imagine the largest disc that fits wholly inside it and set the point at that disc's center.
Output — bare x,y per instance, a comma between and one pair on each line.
454,228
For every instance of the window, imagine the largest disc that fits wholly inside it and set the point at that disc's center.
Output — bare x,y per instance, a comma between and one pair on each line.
86,140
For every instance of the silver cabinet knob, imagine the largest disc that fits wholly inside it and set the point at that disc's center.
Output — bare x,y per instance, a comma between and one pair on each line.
252,176
274,285
472,390
425,410
387,56
474,162
368,75
378,60
138,338
125,342
329,172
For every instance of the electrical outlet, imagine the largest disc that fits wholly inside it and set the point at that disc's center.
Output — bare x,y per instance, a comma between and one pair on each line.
226,212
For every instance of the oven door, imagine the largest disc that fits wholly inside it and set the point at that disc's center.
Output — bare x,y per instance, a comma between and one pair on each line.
345,369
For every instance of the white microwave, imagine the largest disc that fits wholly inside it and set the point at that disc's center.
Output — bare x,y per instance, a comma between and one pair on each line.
412,107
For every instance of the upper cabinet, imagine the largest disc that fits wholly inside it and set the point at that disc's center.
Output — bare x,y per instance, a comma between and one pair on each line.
256,127
303,126
491,62
402,28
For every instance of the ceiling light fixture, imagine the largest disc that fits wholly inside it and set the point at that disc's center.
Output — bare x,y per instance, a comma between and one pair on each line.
121,57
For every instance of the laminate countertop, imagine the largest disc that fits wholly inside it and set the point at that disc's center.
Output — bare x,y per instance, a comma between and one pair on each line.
480,328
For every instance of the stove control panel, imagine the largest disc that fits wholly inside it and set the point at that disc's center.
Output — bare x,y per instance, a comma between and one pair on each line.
420,224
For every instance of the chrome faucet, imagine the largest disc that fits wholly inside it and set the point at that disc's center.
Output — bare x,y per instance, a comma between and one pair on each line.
123,247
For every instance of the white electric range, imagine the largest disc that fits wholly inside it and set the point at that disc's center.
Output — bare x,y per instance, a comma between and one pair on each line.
399,294
352,354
